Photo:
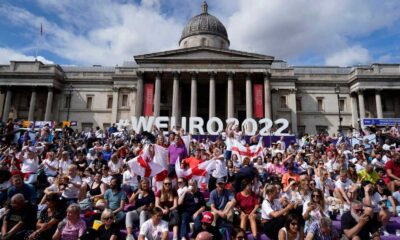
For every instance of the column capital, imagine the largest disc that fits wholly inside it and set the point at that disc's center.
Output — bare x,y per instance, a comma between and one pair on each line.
267,75
50,89
247,74
212,73
360,91
293,90
132,88
378,90
158,74
115,89
194,73
230,74
176,74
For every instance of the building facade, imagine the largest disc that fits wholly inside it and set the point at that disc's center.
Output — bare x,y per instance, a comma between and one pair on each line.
204,78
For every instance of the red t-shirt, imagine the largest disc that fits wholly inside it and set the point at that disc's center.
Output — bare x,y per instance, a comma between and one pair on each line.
246,204
394,167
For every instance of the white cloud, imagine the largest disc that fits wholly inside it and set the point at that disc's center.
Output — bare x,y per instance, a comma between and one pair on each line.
110,32
288,29
7,55
349,56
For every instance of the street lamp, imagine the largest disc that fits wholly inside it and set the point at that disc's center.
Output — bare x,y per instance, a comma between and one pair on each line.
69,100
337,91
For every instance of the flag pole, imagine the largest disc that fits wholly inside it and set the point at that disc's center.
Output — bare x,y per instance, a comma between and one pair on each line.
38,41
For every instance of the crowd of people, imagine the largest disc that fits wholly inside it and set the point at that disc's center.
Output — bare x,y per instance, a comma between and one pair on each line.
69,184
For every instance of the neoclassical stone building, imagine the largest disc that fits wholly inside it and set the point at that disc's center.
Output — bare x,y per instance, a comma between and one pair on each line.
204,78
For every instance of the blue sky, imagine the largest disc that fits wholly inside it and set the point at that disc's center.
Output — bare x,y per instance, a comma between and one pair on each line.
105,32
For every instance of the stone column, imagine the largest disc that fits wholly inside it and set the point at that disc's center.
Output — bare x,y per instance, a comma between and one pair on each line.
231,97
139,94
49,105
7,105
354,110
157,95
211,102
267,96
175,96
2,99
193,95
114,109
378,101
293,110
249,97
133,101
32,104
361,104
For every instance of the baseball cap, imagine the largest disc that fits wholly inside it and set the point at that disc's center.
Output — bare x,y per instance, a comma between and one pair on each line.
380,182
220,180
208,217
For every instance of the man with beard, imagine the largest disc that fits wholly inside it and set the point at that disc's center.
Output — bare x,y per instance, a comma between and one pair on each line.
357,223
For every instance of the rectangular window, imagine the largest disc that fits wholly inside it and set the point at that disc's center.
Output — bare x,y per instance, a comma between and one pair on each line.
320,102
124,100
67,101
89,100
109,102
341,105
87,127
283,100
321,129
299,107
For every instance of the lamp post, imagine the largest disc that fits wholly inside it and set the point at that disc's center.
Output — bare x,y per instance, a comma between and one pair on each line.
69,100
337,91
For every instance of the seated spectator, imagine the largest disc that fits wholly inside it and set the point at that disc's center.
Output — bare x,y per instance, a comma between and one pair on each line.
20,219
206,226
393,172
5,184
190,205
50,216
368,174
315,209
357,223
20,187
289,175
248,204
291,230
50,165
143,200
154,228
97,190
273,216
342,187
115,199
222,202
239,234
167,201
30,165
72,227
322,230
73,183
129,180
109,229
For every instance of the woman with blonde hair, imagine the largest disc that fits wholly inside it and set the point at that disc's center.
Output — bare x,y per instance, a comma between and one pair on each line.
72,227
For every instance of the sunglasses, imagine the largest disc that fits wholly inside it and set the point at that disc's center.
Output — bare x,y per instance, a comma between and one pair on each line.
240,237
294,223
312,183
180,182
167,183
315,195
108,218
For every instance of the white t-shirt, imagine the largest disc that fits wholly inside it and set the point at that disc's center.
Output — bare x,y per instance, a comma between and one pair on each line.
267,208
129,178
30,165
54,164
107,179
344,185
220,169
153,232
63,166
71,191
378,163
114,167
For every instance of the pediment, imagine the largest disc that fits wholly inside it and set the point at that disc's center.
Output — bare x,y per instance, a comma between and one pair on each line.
200,54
